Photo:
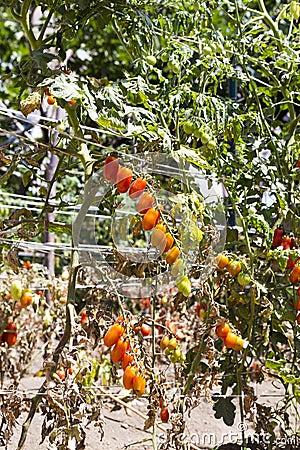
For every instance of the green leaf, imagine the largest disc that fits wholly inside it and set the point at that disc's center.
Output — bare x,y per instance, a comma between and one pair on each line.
56,227
275,365
192,156
224,409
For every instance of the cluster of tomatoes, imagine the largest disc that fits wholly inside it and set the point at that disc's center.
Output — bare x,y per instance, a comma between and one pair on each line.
172,349
17,293
234,267
52,100
122,177
230,339
116,337
289,243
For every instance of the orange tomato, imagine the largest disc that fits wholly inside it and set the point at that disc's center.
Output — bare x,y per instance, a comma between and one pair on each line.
298,319
172,344
170,242
137,188
239,345
286,242
172,255
61,373
72,102
222,261
27,265
110,169
222,330
297,306
295,274
230,340
164,342
150,219
234,268
26,298
84,318
139,385
164,414
128,376
118,352
128,359
145,203
51,100
113,334
124,177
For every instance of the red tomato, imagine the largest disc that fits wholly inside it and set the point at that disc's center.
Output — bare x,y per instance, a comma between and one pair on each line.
145,203
124,177
277,237
60,373
145,303
145,329
10,334
286,242
137,187
72,102
110,169
27,265
164,415
84,318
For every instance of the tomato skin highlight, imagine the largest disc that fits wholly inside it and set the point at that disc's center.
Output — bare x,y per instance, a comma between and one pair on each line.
172,255
150,219
113,334
145,203
124,178
137,188
277,238
110,169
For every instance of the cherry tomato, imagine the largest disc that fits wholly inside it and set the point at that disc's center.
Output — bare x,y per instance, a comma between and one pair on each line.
113,335
277,237
230,339
10,334
222,330
145,203
164,342
128,376
51,100
234,268
137,188
164,415
145,329
222,261
139,384
119,350
158,239
170,242
172,255
127,359
124,177
150,219
110,169
295,275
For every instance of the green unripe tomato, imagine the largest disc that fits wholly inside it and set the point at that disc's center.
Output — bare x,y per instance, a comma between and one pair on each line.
174,67
151,60
211,145
244,279
177,354
188,128
295,9
205,138
16,290
206,50
177,267
184,286
164,57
